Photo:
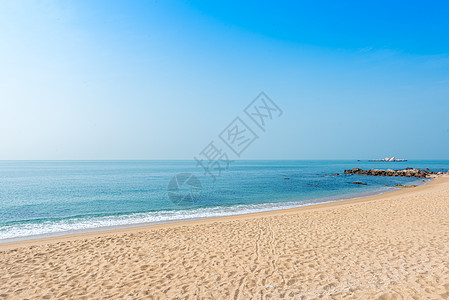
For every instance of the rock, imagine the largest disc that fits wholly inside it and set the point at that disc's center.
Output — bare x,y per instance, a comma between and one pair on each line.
405,186
409,172
286,178
361,183
335,174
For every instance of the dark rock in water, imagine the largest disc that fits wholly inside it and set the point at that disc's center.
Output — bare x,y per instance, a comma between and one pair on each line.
312,184
405,186
287,178
335,174
361,183
409,172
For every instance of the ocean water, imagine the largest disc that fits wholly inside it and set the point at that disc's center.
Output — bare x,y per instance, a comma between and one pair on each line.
48,198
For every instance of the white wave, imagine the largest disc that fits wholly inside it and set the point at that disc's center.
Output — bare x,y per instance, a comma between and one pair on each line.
69,226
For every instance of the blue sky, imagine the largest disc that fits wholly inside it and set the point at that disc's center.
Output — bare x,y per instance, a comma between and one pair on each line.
161,79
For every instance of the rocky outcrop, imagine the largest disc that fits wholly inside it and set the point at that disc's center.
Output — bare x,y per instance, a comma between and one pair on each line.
408,172
361,183
405,186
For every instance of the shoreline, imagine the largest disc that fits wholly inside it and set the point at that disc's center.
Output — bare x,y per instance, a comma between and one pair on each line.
390,246
262,207
42,239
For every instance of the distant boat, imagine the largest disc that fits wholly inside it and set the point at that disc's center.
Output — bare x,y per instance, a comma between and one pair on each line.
390,159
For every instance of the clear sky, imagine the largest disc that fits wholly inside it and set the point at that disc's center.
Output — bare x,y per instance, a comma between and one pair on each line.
161,79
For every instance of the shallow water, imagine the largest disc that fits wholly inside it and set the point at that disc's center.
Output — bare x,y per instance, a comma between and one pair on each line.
54,197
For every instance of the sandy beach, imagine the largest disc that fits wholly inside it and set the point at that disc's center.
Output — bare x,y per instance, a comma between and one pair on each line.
224,150
391,246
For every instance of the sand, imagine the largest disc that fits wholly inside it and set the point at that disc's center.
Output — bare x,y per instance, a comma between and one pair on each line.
392,246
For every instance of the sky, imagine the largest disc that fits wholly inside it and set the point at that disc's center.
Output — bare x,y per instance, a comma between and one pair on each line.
87,80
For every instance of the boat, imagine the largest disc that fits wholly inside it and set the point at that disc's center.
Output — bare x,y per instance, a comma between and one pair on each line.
389,159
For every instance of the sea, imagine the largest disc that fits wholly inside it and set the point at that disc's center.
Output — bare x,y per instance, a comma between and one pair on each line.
52,198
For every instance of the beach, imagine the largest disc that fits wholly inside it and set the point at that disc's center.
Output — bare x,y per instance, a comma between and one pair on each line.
390,246
224,150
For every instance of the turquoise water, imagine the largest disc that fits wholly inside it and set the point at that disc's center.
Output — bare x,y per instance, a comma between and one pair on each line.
58,197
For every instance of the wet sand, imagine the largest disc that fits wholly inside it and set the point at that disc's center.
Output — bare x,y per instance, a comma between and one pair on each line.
391,246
